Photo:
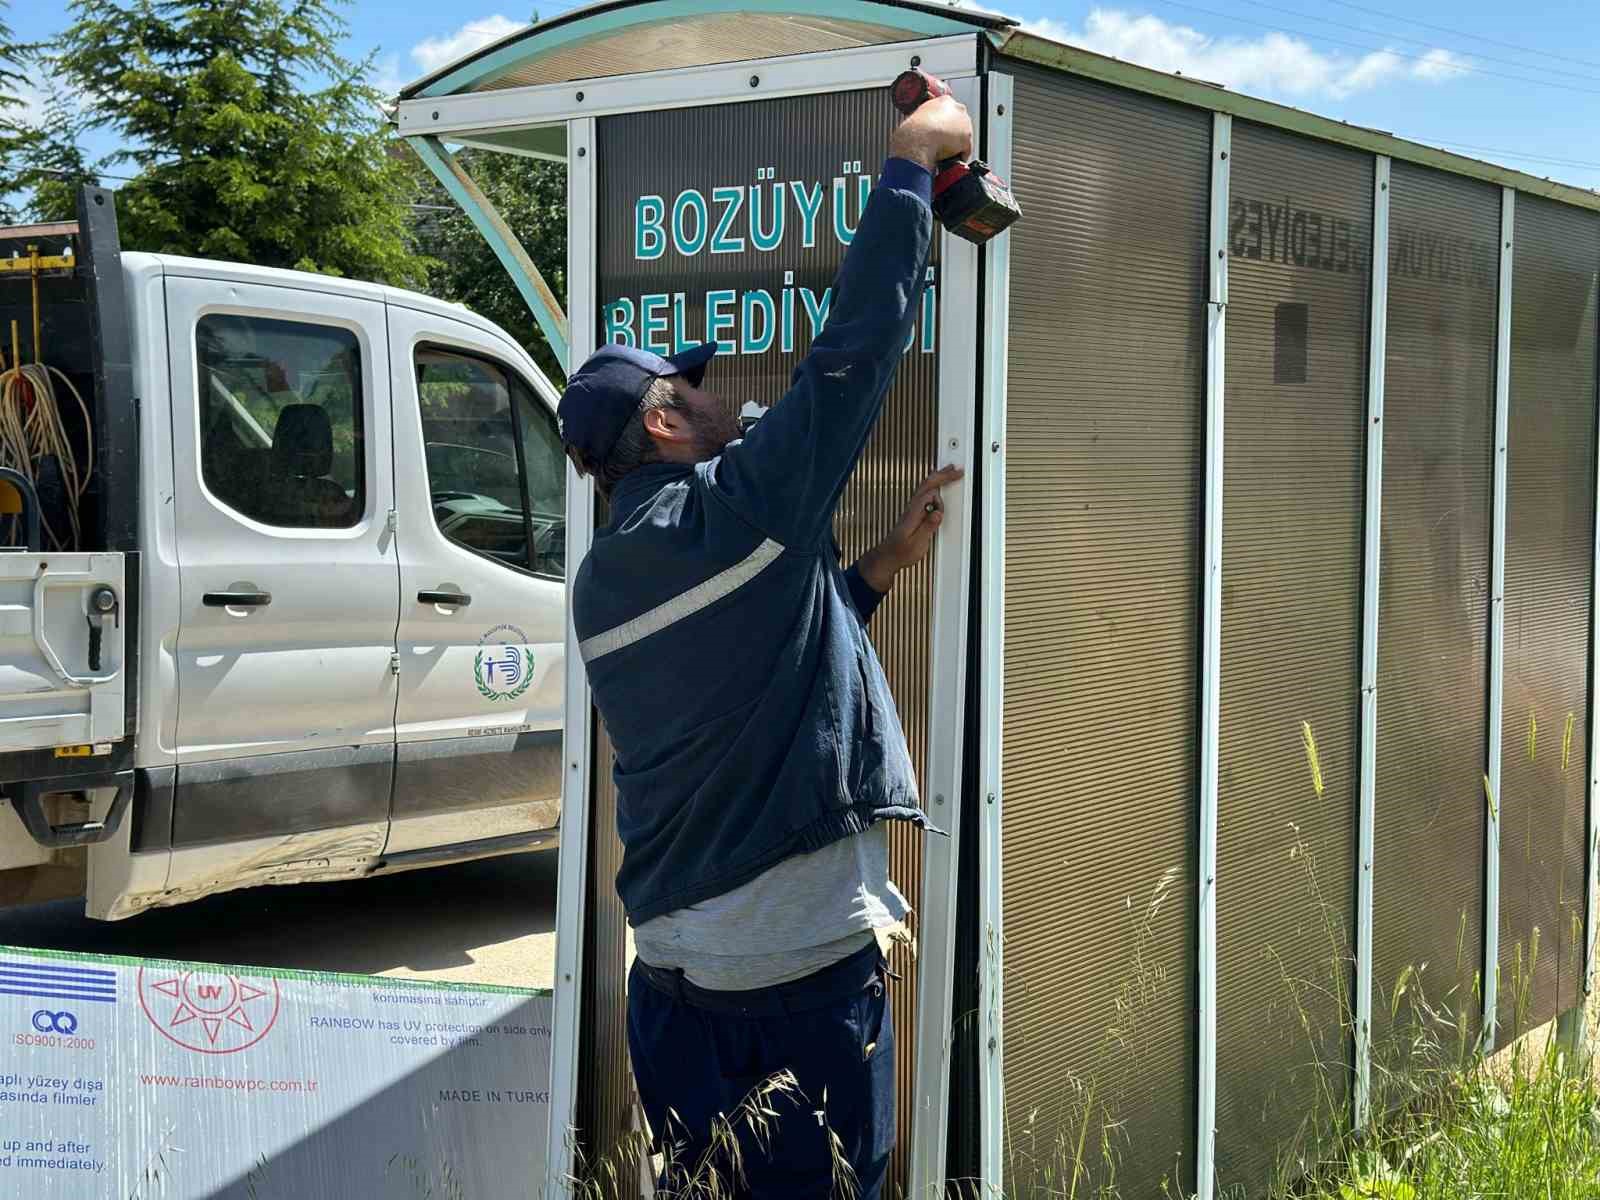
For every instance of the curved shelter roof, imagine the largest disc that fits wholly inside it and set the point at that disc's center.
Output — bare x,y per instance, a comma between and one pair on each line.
621,37
626,37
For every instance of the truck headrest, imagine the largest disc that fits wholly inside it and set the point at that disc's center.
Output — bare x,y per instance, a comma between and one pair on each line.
302,444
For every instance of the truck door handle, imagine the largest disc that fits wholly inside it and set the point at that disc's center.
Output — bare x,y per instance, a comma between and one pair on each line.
454,599
236,599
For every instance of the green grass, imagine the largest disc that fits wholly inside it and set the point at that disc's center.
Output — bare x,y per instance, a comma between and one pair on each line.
1527,1126
1449,1122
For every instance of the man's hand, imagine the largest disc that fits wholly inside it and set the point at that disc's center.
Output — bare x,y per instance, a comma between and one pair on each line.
910,540
938,130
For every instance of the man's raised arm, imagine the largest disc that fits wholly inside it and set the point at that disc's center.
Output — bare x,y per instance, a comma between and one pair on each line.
788,472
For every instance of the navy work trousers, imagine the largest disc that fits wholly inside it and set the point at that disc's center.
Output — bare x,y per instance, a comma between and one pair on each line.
699,1055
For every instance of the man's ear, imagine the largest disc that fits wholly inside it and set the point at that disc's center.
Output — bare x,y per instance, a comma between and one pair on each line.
667,425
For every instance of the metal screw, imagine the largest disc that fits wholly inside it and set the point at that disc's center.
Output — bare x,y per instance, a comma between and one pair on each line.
992,1043
582,151
1000,110
574,766
916,60
991,797
436,115
755,81
1222,254
954,443
938,799
995,447
580,97
1383,187
1224,154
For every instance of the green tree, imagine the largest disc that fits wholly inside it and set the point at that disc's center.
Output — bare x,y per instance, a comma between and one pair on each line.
252,136
16,138
51,166
531,195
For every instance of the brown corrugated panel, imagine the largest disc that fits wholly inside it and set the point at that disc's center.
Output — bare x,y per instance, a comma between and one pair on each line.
1099,757
605,1092
1549,563
804,140
692,41
1433,618
1300,248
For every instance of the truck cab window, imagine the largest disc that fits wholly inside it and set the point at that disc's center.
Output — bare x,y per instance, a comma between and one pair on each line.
496,470
281,420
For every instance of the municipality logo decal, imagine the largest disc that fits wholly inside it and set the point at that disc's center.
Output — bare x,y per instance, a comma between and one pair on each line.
214,1012
503,666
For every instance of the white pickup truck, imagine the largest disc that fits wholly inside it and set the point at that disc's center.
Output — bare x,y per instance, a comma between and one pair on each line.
312,625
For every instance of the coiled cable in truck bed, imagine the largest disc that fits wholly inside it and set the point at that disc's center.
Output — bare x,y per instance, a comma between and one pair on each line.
34,441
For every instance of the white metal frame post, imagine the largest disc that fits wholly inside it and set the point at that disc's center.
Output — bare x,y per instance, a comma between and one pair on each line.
1371,573
1211,652
573,868
958,334
998,124
1497,626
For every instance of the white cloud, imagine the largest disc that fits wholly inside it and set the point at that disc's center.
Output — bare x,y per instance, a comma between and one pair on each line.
1439,64
31,104
387,76
1275,63
432,53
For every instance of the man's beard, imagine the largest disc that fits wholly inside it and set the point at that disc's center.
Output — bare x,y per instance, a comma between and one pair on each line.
713,430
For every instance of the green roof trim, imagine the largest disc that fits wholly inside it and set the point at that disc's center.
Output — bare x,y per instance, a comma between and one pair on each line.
1032,48
342,977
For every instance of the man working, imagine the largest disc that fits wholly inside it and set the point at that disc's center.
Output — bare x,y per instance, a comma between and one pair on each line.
758,750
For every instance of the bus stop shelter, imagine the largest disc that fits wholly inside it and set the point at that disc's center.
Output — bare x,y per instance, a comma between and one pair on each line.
1234,675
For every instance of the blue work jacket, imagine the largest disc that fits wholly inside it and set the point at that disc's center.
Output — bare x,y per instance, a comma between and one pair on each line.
726,649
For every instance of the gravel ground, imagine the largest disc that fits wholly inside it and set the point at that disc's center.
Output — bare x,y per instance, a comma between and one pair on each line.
491,921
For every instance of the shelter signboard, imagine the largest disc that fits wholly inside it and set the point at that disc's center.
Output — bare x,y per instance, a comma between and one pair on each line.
736,235
133,1078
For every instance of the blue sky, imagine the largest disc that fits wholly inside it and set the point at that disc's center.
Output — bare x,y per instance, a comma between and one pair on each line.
1513,83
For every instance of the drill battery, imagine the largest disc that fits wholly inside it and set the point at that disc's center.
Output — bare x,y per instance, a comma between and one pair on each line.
972,202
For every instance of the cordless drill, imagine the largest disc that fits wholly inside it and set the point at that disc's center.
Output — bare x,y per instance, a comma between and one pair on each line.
969,199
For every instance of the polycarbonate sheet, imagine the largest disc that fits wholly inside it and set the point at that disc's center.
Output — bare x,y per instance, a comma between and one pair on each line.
146,1077
755,273
694,40
606,1091
1433,618
1299,254
1549,565
1099,757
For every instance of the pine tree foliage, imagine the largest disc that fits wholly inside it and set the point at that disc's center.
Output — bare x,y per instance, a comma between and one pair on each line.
252,137
16,136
